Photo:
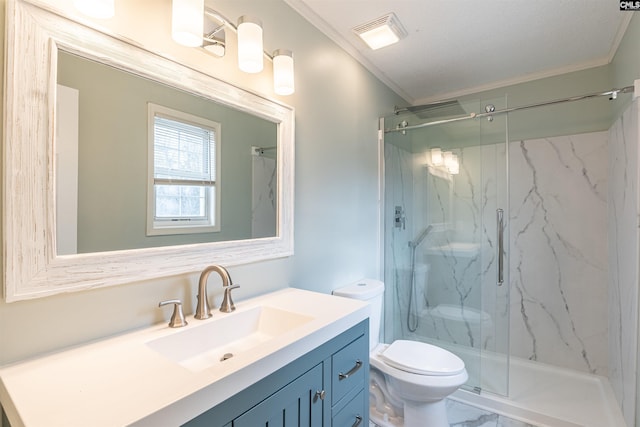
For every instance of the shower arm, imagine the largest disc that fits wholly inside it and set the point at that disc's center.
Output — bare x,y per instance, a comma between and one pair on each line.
612,94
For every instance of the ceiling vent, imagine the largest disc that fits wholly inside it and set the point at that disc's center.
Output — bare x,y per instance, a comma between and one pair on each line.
381,32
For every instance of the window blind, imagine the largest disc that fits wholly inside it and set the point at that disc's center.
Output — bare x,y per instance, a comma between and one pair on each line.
184,154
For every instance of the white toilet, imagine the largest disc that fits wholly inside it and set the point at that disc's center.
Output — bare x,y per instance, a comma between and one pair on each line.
409,380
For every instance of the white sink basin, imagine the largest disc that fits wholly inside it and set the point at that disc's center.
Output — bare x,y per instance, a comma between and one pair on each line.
198,347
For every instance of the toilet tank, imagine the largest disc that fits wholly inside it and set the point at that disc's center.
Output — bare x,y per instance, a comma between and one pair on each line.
370,290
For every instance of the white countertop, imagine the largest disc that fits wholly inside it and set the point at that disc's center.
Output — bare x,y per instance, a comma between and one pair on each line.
122,381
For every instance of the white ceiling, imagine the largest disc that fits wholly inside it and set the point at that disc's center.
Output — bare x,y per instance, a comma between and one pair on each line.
457,47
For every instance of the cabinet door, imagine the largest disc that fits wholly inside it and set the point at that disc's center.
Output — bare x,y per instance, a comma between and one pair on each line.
296,405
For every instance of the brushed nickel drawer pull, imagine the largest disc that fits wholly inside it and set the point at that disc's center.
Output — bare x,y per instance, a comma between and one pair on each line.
358,421
353,370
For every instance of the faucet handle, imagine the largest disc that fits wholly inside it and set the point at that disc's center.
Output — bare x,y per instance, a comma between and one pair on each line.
227,305
177,318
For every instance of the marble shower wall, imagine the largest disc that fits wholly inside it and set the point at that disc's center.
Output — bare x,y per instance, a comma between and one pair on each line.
558,250
573,201
623,259
264,197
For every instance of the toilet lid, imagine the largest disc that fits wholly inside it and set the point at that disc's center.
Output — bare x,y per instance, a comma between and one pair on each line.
421,358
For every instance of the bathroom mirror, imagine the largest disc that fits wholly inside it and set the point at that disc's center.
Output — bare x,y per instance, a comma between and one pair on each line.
33,268
105,195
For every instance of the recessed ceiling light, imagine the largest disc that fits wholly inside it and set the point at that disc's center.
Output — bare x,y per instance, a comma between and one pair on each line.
381,32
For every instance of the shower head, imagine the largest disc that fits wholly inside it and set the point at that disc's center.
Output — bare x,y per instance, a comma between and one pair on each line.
416,242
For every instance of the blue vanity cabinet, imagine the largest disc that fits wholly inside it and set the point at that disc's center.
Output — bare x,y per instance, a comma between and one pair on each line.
295,405
308,392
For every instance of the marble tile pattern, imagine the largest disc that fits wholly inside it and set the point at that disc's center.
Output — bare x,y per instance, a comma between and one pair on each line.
463,415
623,259
562,251
558,250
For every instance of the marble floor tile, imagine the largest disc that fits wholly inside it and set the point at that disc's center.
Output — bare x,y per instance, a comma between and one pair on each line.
463,415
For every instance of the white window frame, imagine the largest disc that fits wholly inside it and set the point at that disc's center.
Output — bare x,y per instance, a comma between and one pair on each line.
156,227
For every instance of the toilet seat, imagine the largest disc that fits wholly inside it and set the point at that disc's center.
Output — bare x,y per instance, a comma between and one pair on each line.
421,359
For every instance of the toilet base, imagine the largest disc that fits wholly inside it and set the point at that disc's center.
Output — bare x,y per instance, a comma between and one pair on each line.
432,414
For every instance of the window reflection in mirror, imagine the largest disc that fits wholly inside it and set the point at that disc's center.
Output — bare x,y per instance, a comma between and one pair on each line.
101,194
183,173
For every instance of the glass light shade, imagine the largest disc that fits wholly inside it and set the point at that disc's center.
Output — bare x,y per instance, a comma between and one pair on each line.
283,80
436,156
454,167
187,22
101,9
447,158
250,51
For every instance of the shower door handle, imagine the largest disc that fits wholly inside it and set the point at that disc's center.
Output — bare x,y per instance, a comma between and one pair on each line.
500,227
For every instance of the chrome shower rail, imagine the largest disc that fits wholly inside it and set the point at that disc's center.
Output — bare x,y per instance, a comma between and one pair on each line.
612,94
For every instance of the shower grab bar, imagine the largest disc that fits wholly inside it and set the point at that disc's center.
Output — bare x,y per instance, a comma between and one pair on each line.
500,226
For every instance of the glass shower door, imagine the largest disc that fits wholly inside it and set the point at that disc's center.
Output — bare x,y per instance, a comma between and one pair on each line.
444,185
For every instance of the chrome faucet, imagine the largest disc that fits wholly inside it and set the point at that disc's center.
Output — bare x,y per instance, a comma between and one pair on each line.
202,308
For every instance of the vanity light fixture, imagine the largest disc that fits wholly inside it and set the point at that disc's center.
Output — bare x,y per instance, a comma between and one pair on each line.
381,32
443,163
436,156
447,159
191,33
214,47
454,165
187,24
101,9
214,39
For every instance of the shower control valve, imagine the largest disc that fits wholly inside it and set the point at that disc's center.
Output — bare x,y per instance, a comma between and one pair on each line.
400,217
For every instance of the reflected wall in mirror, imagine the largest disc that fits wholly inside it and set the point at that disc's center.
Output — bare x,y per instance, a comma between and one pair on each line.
114,161
32,206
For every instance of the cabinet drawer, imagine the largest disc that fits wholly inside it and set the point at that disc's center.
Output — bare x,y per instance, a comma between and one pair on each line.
348,367
352,415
